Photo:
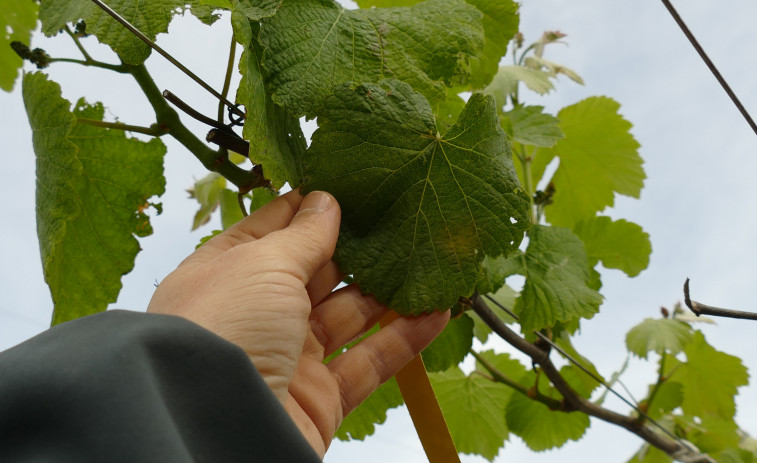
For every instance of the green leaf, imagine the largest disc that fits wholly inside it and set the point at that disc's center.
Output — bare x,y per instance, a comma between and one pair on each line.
18,18
450,347
419,209
361,422
668,397
649,454
538,426
473,408
557,274
150,17
207,192
507,78
276,140
207,238
427,45
598,158
256,10
231,213
500,22
261,197
710,378
448,111
617,244
537,62
658,335
529,125
93,186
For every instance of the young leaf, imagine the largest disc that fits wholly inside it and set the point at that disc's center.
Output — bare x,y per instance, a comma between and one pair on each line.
658,335
231,213
17,21
261,197
529,125
538,426
450,347
94,184
427,45
506,82
276,140
557,273
473,408
361,422
420,209
668,397
151,18
617,244
598,158
710,379
207,192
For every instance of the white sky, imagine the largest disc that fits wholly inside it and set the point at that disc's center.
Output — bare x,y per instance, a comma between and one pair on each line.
697,204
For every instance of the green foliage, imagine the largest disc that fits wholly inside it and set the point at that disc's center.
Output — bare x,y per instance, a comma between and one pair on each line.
367,46
617,244
361,422
451,347
17,20
529,125
93,188
598,149
661,335
420,209
557,273
150,17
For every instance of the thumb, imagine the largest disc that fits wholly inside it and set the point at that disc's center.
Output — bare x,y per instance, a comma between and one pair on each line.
309,241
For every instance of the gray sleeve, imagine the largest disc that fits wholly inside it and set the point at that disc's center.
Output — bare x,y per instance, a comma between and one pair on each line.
132,387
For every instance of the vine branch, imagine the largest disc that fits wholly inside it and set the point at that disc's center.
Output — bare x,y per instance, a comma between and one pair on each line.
154,130
703,309
572,401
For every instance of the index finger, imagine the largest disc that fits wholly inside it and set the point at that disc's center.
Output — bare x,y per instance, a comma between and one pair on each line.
274,216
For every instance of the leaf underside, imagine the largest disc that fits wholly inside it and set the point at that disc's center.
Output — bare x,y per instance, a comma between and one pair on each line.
17,21
420,209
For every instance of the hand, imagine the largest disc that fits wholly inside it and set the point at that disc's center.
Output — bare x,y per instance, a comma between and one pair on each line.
266,285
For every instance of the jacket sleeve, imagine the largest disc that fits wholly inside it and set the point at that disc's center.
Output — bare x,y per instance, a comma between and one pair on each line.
132,387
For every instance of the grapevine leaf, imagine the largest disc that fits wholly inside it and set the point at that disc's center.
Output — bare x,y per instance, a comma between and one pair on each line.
261,197
649,454
557,274
427,45
420,209
529,125
537,62
714,435
276,140
447,111
617,244
151,18
473,408
578,379
207,192
500,23
450,347
668,397
658,335
207,238
538,426
18,19
598,158
361,422
506,82
231,212
256,10
94,184
710,379
221,4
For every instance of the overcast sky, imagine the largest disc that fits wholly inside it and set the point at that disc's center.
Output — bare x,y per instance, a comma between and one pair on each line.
698,202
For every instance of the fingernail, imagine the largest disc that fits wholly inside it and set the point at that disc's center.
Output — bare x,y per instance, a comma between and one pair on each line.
317,201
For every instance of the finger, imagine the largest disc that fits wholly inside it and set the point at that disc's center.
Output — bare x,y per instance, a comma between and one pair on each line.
362,369
324,282
308,243
275,215
343,316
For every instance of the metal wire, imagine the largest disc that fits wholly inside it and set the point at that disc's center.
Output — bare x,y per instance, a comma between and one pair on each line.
232,107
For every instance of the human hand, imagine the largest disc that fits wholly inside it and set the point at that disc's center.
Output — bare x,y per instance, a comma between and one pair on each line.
266,284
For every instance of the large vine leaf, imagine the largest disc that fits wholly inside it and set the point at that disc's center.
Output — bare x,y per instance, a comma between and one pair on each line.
616,243
658,335
420,209
276,139
17,19
150,17
427,45
93,186
557,277
362,421
473,406
710,379
598,158
538,426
